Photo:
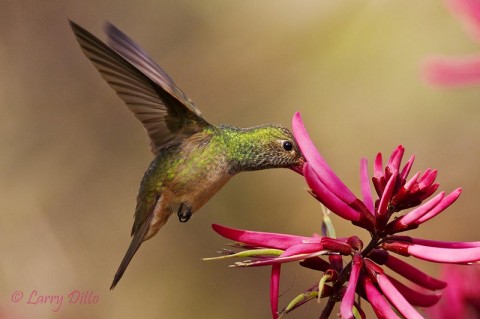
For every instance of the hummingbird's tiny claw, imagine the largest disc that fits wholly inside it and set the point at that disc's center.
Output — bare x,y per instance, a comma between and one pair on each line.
184,212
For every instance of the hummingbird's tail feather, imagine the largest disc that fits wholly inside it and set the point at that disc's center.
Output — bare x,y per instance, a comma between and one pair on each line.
137,240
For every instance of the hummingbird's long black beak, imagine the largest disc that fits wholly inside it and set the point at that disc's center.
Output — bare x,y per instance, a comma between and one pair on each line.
299,167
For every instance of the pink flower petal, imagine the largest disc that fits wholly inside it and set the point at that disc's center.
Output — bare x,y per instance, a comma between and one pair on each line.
396,158
414,297
318,163
406,169
454,302
396,298
444,204
444,244
433,243
302,249
349,296
408,185
329,199
378,175
386,197
452,72
435,254
429,191
260,239
379,304
418,212
469,13
274,289
427,179
445,255
337,245
413,274
378,166
427,172
365,186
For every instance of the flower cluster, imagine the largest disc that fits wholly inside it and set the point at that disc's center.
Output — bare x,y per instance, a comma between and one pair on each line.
351,270
447,71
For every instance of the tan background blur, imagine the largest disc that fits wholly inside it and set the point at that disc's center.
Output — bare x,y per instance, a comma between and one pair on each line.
72,155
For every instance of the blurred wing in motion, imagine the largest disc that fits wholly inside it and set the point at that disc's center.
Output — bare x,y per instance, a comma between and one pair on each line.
167,114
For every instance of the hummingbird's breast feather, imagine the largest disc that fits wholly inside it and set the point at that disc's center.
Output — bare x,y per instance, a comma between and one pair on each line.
197,182
192,176
171,201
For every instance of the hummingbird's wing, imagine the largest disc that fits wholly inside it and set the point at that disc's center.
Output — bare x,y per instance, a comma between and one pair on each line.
167,114
128,49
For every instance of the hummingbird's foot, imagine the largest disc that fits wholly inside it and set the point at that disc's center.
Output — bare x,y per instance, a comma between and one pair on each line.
184,212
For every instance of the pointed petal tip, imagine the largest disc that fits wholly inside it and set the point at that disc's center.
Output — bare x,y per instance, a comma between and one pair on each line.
298,128
297,119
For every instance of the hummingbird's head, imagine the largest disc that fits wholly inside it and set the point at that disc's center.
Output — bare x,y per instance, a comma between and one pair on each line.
266,146
282,149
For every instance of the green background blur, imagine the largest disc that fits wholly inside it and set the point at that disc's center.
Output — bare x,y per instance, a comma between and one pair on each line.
72,156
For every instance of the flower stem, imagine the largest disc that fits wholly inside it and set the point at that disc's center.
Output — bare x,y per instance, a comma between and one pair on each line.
328,308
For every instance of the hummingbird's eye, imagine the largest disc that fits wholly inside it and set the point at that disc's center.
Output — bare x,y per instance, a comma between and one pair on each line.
287,146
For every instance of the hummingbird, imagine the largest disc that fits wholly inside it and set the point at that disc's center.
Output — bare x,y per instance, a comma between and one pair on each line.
193,159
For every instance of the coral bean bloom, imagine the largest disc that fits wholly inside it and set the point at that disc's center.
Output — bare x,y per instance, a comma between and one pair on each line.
350,270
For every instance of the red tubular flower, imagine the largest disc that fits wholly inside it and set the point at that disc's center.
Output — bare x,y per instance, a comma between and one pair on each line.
292,248
396,298
319,165
435,254
262,239
274,289
414,297
423,213
349,267
406,270
326,185
377,300
333,202
365,186
349,296
436,243
394,191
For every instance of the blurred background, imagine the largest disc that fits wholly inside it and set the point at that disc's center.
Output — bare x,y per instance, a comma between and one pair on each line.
72,155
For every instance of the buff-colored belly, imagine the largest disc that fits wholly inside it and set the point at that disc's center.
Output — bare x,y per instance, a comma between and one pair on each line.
196,194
